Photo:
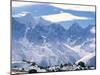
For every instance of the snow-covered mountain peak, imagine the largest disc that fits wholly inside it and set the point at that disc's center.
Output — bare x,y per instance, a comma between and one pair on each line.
22,14
25,18
75,26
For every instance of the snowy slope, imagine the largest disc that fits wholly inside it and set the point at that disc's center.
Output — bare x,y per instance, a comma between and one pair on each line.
89,59
44,55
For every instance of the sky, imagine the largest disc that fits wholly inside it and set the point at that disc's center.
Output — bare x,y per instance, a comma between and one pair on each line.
20,4
83,14
89,2
74,7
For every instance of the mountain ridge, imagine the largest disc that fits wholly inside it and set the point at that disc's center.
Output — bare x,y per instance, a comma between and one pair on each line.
44,43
